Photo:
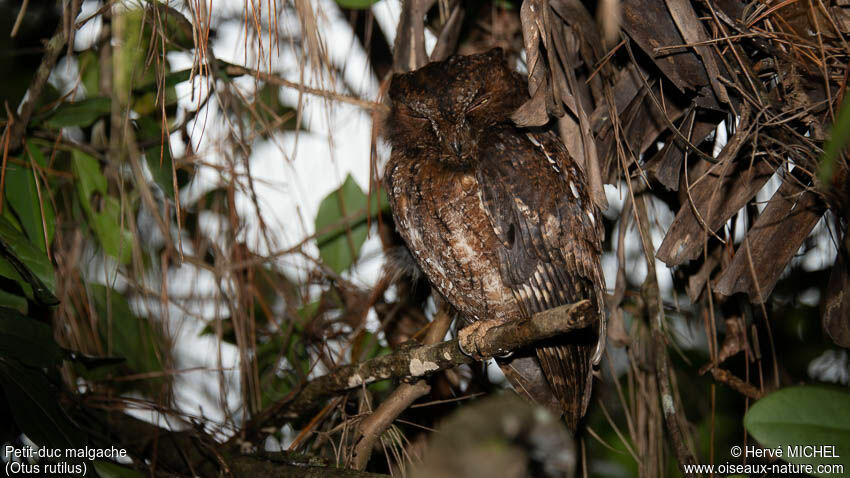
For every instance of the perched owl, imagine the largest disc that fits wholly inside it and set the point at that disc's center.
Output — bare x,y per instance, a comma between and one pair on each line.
496,216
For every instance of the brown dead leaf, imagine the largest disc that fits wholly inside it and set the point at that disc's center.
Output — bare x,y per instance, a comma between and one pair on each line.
651,26
771,242
693,32
449,35
735,339
666,166
836,314
617,334
719,194
409,49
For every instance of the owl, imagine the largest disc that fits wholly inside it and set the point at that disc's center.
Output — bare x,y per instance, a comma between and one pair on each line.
497,217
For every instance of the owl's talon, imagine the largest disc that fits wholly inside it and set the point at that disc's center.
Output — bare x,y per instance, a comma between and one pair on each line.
601,343
466,341
464,351
469,337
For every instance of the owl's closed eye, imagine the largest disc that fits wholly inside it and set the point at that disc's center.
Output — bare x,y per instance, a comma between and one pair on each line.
446,106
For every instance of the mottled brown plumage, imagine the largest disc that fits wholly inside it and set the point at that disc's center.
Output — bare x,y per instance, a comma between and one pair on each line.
497,217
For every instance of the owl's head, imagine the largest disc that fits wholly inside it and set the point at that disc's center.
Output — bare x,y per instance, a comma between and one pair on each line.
443,108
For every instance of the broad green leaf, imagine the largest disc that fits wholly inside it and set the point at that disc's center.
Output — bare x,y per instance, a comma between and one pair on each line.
132,337
27,340
8,271
298,364
158,156
105,221
341,224
178,29
146,103
839,136
308,311
116,241
135,71
22,194
80,113
21,261
106,469
13,301
89,71
357,4
171,80
45,103
802,416
35,407
136,40
174,78
11,219
90,179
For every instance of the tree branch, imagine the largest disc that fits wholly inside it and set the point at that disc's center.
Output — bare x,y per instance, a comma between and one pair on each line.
421,360
236,70
371,428
51,53
652,294
193,453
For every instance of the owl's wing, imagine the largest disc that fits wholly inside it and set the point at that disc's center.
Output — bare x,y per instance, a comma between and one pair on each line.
535,197
550,245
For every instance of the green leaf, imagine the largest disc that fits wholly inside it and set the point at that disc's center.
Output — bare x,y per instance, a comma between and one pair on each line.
13,301
104,221
81,113
132,337
89,178
179,32
22,193
89,71
838,139
356,4
35,407
146,104
308,311
21,261
341,224
107,469
27,340
171,80
803,415
159,156
136,38
9,271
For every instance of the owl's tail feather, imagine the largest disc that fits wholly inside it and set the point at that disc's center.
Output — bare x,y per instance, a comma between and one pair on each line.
566,363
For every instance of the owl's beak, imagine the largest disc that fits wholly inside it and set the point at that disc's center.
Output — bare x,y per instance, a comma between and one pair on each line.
457,147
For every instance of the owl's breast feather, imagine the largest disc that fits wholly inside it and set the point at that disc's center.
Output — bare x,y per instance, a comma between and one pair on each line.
440,215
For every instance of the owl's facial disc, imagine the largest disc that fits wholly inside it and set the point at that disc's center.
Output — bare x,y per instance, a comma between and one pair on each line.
458,142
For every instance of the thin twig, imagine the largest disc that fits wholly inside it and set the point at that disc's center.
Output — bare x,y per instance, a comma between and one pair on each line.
51,54
374,425
236,70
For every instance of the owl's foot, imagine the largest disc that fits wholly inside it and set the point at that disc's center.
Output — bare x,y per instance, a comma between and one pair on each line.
474,334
